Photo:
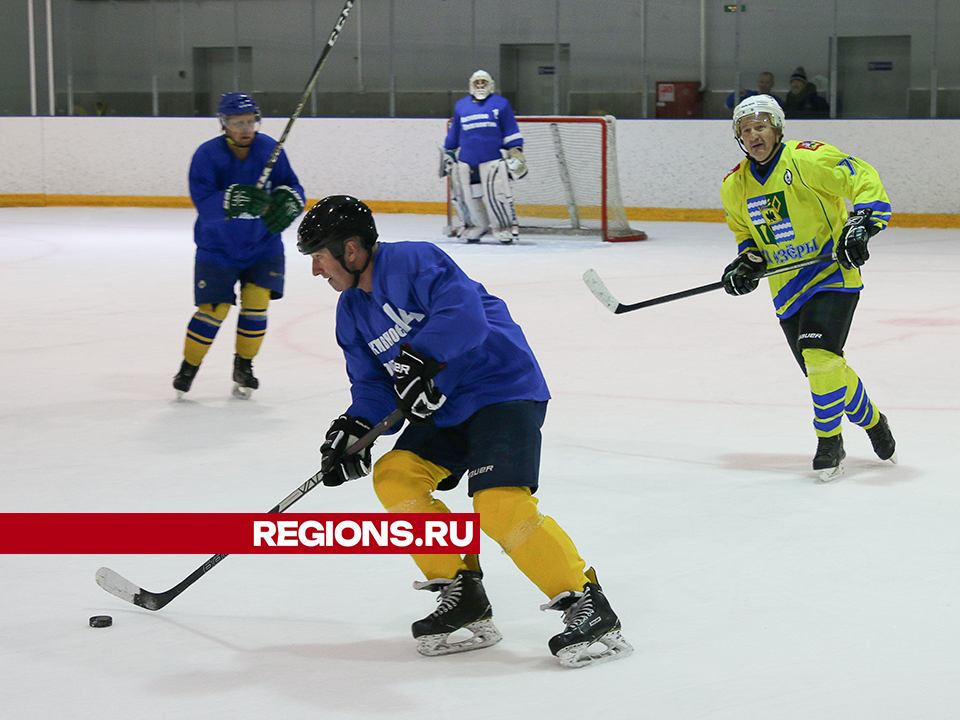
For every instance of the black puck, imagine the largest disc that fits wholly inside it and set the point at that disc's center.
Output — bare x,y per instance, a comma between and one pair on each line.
101,621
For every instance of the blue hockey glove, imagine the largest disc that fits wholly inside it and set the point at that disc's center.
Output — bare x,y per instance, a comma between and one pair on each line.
742,276
245,199
413,386
856,233
285,205
337,466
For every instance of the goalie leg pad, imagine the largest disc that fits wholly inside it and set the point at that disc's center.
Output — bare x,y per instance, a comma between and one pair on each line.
404,482
477,223
536,543
498,195
458,196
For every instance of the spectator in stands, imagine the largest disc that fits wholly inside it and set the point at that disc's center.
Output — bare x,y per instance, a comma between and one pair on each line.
803,100
764,87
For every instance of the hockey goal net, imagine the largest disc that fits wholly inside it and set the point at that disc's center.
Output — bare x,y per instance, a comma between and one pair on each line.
572,184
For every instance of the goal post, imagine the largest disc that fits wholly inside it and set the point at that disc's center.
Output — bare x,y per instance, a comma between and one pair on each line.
572,186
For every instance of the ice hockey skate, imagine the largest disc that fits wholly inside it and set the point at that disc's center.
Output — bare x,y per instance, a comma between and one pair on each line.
590,622
508,235
882,439
473,233
244,381
184,378
463,605
829,458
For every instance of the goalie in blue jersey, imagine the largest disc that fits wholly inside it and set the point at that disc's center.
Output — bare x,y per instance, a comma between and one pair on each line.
482,154
419,335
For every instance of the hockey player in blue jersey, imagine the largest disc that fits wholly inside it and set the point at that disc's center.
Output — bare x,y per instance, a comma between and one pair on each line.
490,145
237,233
418,334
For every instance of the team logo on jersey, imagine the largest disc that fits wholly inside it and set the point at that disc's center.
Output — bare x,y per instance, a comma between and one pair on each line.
770,216
771,213
403,325
809,145
788,177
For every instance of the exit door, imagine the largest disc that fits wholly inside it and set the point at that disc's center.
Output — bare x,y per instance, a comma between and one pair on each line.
873,76
528,73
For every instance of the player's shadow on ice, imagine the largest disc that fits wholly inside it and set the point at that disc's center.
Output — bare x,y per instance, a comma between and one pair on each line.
862,470
332,678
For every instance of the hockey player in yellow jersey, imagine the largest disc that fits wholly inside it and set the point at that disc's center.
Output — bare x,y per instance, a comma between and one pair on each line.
784,203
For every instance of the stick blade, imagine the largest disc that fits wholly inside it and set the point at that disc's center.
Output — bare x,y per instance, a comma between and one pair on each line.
117,585
599,290
120,587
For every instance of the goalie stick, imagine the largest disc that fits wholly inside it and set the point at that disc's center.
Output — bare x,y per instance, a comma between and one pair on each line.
599,289
335,33
122,588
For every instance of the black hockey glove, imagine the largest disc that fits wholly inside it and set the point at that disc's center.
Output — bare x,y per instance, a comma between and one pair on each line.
285,205
413,374
742,276
249,199
337,466
852,244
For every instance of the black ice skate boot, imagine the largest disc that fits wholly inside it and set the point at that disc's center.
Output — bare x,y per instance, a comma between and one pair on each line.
463,604
245,382
883,443
828,459
184,379
589,619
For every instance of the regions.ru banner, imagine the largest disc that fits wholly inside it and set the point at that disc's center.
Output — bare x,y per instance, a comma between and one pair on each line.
238,533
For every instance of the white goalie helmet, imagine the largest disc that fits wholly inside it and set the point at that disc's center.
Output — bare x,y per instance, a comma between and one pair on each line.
484,90
755,107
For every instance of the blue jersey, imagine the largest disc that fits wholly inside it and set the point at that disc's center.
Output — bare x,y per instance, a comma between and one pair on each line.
481,129
245,240
421,296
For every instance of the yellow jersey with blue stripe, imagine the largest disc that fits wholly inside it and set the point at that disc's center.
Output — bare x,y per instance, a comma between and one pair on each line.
797,211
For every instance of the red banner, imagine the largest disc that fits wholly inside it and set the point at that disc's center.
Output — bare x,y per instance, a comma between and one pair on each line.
238,533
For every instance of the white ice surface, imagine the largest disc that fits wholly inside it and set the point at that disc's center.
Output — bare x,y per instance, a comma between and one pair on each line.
676,454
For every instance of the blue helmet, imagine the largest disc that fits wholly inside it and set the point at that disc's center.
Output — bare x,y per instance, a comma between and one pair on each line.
234,103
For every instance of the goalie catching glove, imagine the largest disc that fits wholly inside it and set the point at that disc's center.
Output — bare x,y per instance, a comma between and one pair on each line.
743,275
413,386
285,205
852,244
245,199
516,163
337,466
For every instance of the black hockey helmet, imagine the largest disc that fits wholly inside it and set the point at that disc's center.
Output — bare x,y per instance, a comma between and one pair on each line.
332,221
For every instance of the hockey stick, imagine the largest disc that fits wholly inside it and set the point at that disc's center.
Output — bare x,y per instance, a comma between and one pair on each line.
306,93
119,586
599,289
